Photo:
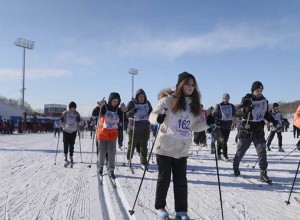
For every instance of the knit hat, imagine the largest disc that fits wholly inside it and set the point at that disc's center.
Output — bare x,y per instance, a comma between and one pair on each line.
183,76
275,105
226,96
72,105
257,85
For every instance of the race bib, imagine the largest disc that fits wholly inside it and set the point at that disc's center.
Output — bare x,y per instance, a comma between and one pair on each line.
259,110
111,120
226,112
179,127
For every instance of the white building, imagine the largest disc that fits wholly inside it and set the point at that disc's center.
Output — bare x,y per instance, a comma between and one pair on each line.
10,112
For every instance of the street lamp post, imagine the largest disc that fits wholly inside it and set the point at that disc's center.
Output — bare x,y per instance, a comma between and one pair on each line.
25,44
133,72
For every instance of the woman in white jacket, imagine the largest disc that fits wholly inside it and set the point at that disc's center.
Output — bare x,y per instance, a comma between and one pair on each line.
178,114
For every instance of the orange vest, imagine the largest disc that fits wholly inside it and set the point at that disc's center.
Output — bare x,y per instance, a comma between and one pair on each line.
105,134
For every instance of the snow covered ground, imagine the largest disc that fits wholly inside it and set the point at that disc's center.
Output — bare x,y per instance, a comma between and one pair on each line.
32,187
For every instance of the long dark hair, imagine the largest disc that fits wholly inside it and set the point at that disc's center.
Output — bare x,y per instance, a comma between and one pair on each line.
179,102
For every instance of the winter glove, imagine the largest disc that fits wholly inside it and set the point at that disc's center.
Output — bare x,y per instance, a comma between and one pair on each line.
246,101
212,128
123,107
210,120
160,118
101,103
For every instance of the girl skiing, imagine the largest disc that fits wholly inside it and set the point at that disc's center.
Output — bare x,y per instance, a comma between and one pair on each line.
182,110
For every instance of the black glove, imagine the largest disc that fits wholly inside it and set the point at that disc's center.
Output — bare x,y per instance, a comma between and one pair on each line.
210,120
218,123
160,118
246,102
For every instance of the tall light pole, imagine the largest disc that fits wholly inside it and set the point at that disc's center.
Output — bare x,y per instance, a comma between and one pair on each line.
133,72
25,44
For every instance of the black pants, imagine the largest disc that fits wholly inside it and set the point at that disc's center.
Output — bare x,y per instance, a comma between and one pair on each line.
140,140
166,166
271,136
69,141
222,139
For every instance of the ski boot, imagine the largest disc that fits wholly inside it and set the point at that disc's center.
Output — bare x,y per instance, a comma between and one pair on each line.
226,158
66,161
182,215
162,213
269,149
280,149
236,170
264,177
100,171
71,159
112,174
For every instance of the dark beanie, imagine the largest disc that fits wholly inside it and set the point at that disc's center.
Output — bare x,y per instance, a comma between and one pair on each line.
275,105
257,85
183,76
72,105
114,95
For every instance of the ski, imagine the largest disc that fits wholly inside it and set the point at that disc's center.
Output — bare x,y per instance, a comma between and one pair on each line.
255,181
66,163
152,211
100,178
113,181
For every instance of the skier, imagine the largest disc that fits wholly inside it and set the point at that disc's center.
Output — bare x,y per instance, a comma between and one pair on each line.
69,121
200,137
254,109
57,127
139,126
182,114
211,132
224,113
107,132
297,123
276,129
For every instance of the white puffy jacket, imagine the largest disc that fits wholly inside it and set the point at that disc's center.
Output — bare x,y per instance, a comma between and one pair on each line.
168,144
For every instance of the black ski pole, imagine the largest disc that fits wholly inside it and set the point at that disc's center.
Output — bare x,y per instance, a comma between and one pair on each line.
57,147
123,126
95,133
289,153
219,184
132,210
288,201
80,145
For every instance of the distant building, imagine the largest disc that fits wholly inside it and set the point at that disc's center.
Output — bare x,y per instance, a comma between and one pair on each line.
54,110
10,112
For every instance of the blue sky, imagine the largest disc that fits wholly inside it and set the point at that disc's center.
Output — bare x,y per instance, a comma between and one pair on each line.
84,48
